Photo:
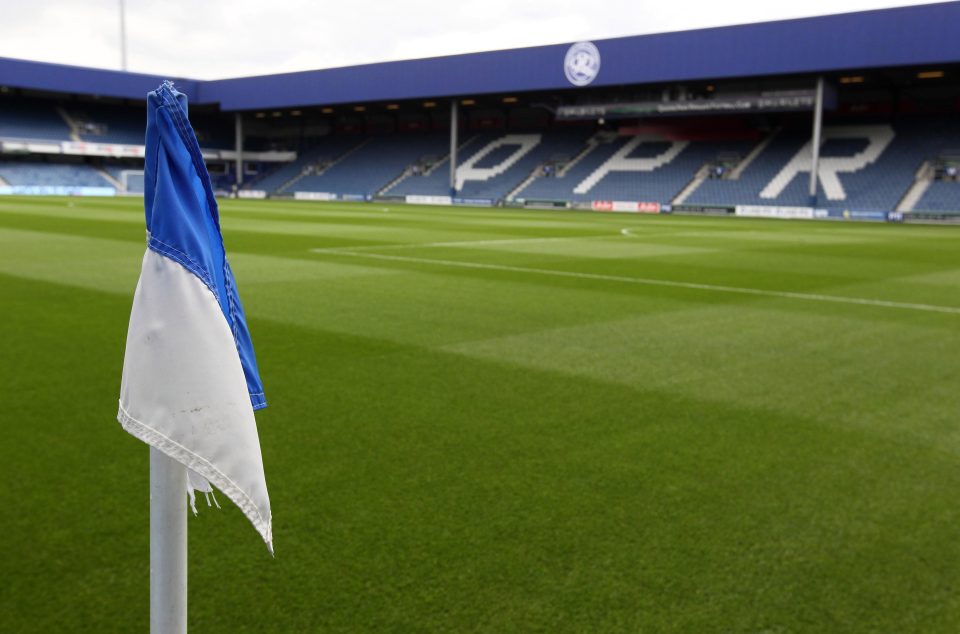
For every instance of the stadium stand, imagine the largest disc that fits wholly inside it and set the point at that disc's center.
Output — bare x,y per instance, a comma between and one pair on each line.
493,164
429,175
33,174
746,189
286,176
874,165
112,123
116,171
940,196
107,124
499,166
31,120
631,169
369,165
274,177
868,167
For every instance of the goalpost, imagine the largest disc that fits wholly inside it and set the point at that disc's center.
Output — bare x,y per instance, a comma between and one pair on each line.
132,181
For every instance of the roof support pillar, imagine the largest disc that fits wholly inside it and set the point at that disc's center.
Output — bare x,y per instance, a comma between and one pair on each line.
815,146
238,145
454,128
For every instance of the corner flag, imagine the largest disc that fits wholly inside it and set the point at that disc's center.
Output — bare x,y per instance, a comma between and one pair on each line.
190,380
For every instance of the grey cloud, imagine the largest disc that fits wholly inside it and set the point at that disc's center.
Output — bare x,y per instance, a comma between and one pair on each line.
228,38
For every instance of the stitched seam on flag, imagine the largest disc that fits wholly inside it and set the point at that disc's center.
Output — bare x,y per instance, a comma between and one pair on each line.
234,325
186,261
194,459
201,465
193,148
258,403
257,400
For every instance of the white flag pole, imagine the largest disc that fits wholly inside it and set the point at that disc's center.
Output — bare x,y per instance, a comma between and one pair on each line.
168,545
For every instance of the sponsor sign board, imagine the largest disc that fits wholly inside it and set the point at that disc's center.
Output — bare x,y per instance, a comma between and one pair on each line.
415,199
476,202
26,147
625,207
787,213
847,214
55,190
777,101
314,196
251,193
83,148
708,210
648,208
120,150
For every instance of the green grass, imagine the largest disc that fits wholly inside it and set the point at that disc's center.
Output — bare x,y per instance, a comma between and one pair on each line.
509,434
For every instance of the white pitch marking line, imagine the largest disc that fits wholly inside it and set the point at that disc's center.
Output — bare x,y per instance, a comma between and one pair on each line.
626,232
464,243
836,299
497,241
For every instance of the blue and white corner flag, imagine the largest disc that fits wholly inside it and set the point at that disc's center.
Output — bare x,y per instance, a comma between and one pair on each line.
190,380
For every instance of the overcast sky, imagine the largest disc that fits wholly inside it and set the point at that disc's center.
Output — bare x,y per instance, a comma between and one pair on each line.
206,39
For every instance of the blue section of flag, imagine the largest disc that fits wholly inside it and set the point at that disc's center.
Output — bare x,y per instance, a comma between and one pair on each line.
183,221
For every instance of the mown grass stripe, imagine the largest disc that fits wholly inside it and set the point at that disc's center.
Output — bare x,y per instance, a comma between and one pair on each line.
815,297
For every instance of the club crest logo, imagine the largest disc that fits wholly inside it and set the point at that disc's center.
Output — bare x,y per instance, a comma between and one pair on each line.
582,63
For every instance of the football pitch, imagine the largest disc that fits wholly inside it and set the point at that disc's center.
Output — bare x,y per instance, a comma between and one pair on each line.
488,420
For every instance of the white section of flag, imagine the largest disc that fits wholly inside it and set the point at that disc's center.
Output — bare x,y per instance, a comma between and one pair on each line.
183,389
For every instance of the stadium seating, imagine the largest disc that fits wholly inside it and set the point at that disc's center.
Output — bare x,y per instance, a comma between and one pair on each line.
280,178
862,167
866,163
754,178
494,164
940,196
631,169
434,182
31,121
108,124
273,178
371,166
883,158
499,184
51,174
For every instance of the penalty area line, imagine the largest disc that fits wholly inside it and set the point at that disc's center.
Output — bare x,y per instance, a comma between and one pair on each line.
740,290
461,243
